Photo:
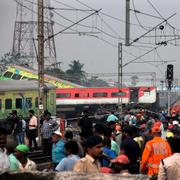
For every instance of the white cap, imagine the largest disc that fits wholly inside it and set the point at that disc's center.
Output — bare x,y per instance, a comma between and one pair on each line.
175,123
58,133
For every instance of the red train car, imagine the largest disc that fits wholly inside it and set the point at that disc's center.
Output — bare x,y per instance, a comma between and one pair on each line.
74,99
87,96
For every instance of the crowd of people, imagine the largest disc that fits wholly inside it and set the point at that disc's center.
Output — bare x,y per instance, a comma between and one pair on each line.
132,143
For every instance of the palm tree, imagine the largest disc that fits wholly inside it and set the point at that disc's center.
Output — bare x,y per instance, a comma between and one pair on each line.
75,72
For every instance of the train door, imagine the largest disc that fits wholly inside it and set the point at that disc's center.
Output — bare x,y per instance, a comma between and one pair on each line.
134,95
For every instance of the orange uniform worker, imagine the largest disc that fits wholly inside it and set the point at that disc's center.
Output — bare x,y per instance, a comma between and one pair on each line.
155,150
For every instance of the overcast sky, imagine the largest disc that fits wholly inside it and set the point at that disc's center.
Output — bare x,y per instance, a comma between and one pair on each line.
98,50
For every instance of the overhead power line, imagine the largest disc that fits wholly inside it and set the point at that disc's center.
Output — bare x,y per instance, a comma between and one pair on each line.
100,38
159,13
155,61
73,24
150,15
138,18
155,48
140,56
68,9
165,20
78,32
108,15
67,19
36,13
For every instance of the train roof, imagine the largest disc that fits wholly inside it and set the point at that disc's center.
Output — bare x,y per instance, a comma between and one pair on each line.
33,71
10,85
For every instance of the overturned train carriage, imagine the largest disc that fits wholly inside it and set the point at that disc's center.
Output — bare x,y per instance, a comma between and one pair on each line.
23,96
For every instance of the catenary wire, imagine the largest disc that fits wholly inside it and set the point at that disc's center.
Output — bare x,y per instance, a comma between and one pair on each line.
138,18
107,15
102,31
160,14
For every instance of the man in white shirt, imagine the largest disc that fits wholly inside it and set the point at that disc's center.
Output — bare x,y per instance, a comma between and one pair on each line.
25,163
4,160
32,133
170,167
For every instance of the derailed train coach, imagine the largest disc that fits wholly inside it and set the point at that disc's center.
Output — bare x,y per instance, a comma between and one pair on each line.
23,96
73,101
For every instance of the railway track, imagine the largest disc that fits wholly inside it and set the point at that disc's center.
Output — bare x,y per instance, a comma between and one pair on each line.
43,161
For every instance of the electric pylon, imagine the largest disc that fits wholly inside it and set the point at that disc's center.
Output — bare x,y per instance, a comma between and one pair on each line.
25,33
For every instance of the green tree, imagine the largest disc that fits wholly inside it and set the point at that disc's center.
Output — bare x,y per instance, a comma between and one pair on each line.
95,82
75,73
12,59
56,72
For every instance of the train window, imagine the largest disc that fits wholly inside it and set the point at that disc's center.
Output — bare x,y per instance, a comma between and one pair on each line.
117,94
36,102
147,93
63,95
29,102
18,103
100,94
76,95
8,74
16,76
0,103
8,104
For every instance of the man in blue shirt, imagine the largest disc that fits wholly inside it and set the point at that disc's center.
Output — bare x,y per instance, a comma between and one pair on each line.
58,152
107,152
68,162
112,117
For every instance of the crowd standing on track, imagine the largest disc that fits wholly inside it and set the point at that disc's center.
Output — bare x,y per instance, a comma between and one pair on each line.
129,143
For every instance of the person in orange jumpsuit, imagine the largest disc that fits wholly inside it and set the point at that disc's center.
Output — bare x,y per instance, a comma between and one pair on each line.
155,150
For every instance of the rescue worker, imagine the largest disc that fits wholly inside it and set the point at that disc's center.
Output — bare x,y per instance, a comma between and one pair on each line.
155,150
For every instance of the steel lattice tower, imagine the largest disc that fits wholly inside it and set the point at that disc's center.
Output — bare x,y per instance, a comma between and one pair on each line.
25,33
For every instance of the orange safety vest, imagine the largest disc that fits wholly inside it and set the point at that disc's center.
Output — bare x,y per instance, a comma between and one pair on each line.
154,151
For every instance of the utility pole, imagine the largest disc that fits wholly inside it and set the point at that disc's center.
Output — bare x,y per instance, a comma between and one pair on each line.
41,57
127,22
120,76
